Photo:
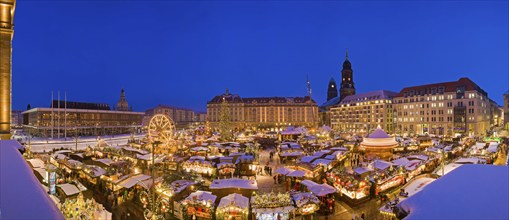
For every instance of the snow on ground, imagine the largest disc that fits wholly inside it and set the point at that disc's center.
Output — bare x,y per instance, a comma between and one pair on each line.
471,191
41,145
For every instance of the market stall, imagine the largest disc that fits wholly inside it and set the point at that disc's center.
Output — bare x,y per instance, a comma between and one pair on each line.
80,208
198,205
350,187
306,203
233,207
199,166
272,206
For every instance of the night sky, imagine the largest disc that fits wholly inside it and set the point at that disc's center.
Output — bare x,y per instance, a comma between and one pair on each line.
185,53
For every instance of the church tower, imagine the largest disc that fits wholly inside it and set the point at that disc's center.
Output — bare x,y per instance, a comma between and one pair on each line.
347,85
122,104
332,89
6,33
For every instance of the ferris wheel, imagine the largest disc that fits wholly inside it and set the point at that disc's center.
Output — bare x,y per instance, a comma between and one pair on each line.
161,128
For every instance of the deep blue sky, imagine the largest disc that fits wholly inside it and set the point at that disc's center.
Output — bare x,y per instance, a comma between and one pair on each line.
184,53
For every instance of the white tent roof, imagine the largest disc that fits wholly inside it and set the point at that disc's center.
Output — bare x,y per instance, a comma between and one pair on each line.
234,199
459,195
322,189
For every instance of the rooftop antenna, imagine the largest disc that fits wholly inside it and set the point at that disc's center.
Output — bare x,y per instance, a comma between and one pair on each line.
309,86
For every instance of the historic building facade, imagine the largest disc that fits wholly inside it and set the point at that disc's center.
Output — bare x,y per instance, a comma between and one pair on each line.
347,88
67,119
332,89
363,113
347,84
506,110
263,112
122,104
449,108
7,8
180,116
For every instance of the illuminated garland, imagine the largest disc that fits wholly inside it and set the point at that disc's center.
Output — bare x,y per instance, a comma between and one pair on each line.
272,200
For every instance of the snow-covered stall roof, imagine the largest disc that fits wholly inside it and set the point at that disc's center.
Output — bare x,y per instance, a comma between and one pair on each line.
447,169
36,163
380,164
413,164
138,151
284,170
493,147
297,173
202,196
133,180
244,159
20,189
470,160
292,154
361,170
95,171
466,199
322,189
234,199
323,162
179,185
233,183
303,198
105,161
418,156
400,162
69,189
308,159
321,153
199,149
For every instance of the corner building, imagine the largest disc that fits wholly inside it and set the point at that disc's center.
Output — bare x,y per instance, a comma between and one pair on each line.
448,108
363,113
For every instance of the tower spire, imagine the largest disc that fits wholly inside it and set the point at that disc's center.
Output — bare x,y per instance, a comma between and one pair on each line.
346,57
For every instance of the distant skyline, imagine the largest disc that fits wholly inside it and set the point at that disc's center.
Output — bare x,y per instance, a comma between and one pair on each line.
184,53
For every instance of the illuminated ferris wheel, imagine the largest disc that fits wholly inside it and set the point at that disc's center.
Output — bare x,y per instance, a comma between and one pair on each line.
161,128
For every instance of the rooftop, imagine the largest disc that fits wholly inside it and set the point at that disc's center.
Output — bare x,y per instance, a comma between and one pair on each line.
479,192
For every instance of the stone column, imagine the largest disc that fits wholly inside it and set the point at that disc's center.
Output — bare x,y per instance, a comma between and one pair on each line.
6,34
